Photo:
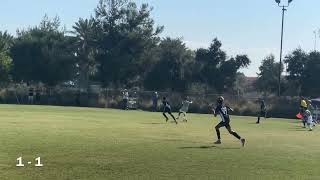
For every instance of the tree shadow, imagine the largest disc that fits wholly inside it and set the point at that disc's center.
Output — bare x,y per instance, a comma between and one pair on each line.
208,147
253,123
198,147
153,123
296,122
297,128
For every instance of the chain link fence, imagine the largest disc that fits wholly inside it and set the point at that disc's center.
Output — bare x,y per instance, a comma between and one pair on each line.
286,107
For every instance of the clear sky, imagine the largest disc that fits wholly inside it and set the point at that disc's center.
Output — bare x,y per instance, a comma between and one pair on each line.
244,26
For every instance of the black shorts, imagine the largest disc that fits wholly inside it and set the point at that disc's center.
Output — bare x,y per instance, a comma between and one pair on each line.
167,110
263,113
224,124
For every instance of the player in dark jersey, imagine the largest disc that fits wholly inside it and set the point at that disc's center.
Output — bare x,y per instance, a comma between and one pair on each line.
263,111
167,109
223,112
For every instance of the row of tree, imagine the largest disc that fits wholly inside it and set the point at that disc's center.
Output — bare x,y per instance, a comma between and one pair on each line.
302,74
119,47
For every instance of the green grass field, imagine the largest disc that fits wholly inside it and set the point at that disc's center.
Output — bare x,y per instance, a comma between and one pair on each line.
84,143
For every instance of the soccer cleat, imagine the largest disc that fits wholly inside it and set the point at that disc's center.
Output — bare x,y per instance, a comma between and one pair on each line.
243,142
167,119
218,142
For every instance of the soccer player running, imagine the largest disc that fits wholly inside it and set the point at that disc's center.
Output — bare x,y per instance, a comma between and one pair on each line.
167,109
307,118
263,111
303,108
223,112
184,109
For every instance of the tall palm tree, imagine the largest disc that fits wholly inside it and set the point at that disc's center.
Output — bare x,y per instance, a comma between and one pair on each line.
85,31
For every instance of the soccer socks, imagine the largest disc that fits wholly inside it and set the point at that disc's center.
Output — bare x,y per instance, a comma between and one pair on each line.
218,133
179,115
231,132
235,135
165,116
304,124
185,116
174,118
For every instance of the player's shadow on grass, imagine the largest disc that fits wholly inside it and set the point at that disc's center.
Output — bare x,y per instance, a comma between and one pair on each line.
298,129
153,123
207,147
296,122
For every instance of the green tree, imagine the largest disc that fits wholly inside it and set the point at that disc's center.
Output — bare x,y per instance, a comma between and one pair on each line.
86,34
228,72
172,71
296,61
267,81
215,69
310,82
6,41
303,72
43,54
208,62
127,34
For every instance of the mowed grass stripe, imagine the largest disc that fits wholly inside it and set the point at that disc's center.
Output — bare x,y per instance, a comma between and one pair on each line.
89,143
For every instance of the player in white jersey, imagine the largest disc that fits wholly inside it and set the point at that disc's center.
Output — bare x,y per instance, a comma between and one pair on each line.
184,109
307,117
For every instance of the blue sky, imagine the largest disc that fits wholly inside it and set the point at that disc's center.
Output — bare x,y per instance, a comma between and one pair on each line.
244,26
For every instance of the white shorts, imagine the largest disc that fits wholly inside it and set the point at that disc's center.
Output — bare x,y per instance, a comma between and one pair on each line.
183,110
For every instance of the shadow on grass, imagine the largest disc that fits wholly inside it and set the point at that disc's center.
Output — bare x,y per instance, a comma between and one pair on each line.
296,122
153,123
298,128
208,147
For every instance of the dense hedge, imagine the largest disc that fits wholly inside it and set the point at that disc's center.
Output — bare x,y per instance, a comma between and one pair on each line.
284,107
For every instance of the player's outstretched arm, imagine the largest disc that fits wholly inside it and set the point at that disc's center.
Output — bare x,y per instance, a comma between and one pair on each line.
230,109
